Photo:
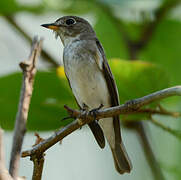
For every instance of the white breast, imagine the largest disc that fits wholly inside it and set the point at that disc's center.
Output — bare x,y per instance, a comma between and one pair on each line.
87,81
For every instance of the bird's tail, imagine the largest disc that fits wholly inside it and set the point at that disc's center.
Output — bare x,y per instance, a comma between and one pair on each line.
111,129
121,159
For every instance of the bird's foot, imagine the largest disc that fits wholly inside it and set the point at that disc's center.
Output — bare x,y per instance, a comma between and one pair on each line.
94,111
85,107
84,110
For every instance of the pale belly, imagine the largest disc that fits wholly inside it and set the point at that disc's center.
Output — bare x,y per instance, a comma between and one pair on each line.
88,84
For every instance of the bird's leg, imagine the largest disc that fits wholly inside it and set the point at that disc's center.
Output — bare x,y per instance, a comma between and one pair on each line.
85,107
94,111
84,110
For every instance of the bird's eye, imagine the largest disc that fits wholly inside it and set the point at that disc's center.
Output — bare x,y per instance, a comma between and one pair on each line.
70,21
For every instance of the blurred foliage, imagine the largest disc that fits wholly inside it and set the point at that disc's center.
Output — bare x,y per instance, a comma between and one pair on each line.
166,47
110,37
46,109
137,78
10,7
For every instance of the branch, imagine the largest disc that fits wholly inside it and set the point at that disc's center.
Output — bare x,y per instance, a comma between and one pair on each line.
115,21
4,175
159,15
150,111
29,70
38,162
84,118
144,140
150,28
174,132
44,54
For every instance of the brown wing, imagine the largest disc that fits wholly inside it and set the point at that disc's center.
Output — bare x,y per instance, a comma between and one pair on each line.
121,159
94,126
112,89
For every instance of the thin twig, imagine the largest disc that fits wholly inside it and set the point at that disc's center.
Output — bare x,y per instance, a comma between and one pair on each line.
136,46
144,140
160,13
44,54
29,70
4,175
38,167
126,108
117,23
2,161
38,160
150,111
174,132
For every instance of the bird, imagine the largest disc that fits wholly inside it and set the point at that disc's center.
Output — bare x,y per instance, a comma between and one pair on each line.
91,81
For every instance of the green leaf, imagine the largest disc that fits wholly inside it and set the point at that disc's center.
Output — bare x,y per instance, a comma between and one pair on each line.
164,49
46,109
136,79
10,7
70,6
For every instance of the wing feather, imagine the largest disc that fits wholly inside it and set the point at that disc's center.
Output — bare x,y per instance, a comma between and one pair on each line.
112,89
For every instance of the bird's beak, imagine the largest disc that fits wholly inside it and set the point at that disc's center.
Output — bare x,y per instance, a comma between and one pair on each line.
52,26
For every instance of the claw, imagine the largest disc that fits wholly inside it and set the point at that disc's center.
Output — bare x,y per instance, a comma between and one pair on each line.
94,111
85,107
80,122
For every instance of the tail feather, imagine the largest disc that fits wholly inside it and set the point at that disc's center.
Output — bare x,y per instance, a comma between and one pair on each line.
98,133
111,129
121,159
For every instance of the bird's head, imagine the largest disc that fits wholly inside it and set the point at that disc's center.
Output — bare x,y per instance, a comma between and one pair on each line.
70,28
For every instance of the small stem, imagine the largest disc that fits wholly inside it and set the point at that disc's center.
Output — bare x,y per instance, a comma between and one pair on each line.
139,128
156,170
135,47
4,175
44,54
117,23
158,112
174,132
38,167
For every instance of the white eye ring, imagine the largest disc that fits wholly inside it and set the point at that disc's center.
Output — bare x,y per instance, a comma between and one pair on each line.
70,21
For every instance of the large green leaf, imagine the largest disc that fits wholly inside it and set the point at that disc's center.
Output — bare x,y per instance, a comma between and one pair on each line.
46,109
164,49
137,78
